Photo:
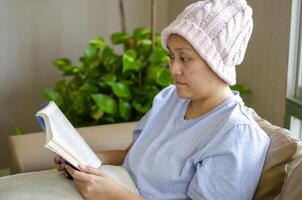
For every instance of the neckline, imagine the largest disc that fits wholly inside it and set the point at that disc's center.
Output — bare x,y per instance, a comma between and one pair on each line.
234,97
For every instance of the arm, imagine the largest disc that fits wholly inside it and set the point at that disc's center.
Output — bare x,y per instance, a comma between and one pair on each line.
114,157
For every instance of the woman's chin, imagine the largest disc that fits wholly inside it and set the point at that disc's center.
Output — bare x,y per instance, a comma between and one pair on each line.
183,94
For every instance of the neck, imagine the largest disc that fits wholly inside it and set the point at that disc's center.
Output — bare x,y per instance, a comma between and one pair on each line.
201,106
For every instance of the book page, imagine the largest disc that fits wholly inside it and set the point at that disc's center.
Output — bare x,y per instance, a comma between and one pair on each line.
57,149
67,137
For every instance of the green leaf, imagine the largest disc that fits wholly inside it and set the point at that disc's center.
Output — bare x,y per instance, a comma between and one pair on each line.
98,42
145,42
119,89
145,91
109,58
90,53
108,77
141,108
52,95
163,77
158,40
129,61
151,72
96,113
63,64
75,83
61,87
19,131
145,47
159,56
78,69
124,109
106,103
119,38
78,101
88,87
108,119
241,88
142,33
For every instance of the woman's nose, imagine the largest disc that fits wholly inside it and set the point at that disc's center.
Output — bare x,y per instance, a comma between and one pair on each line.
175,68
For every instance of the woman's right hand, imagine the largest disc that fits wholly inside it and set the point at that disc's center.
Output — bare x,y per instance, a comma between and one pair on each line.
61,166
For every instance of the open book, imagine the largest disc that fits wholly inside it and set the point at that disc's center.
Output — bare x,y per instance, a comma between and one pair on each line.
63,139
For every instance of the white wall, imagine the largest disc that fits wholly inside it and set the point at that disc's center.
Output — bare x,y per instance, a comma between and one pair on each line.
265,66
35,32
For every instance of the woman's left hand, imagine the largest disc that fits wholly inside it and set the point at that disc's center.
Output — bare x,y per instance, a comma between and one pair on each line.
94,184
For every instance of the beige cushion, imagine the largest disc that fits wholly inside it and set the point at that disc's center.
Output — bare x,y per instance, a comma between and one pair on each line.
42,185
292,189
51,185
281,151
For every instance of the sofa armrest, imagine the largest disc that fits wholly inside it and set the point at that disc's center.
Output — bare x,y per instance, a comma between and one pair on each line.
27,152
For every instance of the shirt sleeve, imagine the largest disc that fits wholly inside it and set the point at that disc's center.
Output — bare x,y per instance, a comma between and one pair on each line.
139,127
232,167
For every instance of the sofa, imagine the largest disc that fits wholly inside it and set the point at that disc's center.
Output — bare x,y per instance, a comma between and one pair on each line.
281,177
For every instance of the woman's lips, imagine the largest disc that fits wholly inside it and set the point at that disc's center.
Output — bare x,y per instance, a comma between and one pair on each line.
180,83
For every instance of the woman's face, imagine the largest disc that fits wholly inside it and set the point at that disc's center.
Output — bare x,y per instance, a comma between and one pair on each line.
192,76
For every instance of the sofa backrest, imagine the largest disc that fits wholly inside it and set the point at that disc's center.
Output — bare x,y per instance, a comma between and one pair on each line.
282,166
27,152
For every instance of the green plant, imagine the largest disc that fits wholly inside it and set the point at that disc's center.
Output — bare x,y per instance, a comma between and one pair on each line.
107,87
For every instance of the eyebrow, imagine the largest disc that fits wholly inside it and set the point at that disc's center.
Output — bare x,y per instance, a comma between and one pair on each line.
181,48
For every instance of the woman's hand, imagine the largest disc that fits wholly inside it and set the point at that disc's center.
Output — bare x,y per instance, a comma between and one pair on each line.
61,166
94,184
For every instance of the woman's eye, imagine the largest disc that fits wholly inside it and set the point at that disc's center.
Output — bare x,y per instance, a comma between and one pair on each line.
171,56
184,59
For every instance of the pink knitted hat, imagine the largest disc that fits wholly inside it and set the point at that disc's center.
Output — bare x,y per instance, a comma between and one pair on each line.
219,30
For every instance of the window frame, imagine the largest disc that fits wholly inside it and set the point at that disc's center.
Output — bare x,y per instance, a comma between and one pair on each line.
293,91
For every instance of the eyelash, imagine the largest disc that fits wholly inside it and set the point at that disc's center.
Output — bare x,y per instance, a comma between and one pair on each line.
181,58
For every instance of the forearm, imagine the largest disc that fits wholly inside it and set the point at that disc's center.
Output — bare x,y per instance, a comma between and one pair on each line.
115,157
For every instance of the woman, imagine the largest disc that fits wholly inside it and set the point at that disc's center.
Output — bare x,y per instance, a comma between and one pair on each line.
198,141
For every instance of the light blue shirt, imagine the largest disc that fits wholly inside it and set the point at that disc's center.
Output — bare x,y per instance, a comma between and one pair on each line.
218,156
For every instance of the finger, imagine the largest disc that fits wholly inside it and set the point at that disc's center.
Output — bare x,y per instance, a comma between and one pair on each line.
61,167
57,159
67,175
91,170
78,175
79,183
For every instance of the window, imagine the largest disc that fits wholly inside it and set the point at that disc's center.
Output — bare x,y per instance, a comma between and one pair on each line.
293,116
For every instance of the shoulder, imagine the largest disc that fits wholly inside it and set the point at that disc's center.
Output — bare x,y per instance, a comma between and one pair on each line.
166,96
239,137
167,92
241,124
164,100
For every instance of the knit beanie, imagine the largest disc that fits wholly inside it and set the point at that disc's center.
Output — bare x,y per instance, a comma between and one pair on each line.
219,30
